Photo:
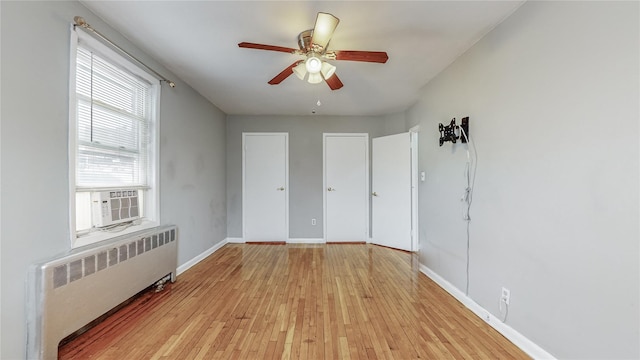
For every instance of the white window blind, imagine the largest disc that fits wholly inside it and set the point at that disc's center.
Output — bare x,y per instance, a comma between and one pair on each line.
114,110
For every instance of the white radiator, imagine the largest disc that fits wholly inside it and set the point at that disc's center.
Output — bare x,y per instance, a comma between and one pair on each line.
68,292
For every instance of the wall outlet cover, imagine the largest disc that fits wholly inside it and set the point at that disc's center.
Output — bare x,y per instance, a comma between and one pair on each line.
505,296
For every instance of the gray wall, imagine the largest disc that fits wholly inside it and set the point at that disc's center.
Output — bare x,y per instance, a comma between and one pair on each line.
552,94
192,170
35,199
305,162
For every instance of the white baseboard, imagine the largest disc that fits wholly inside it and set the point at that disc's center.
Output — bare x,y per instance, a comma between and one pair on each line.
306,241
289,241
526,345
184,267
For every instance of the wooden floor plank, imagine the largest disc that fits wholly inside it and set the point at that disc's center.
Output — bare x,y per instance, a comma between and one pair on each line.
296,301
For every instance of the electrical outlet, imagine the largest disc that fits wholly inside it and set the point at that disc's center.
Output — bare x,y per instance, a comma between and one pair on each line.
506,296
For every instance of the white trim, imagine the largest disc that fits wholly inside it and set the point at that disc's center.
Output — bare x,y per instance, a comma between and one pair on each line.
415,185
237,240
72,122
519,340
306,241
186,266
152,209
367,185
286,180
324,186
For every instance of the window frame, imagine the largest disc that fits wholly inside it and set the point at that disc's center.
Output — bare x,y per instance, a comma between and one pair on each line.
151,204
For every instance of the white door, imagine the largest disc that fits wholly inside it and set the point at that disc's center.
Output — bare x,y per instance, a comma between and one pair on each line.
265,186
346,187
391,191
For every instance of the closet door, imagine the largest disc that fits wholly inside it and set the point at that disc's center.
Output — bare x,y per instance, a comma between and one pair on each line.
346,187
265,191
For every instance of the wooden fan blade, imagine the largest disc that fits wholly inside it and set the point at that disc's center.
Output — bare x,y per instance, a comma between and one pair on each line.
267,47
367,56
334,82
323,30
284,74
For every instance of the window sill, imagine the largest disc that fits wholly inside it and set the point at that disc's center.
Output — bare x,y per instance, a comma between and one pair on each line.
98,236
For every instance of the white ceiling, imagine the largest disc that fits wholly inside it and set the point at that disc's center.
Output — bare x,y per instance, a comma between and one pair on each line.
197,41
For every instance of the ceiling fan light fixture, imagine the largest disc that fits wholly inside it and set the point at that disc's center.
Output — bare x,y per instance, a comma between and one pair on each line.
314,78
313,64
300,70
327,70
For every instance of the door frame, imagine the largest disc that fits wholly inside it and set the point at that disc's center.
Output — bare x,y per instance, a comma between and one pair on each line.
286,180
324,181
415,181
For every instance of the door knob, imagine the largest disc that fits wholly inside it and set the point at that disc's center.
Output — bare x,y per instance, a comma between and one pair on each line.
374,193
331,189
280,189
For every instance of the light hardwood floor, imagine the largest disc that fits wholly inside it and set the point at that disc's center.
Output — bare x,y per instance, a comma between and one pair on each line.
296,301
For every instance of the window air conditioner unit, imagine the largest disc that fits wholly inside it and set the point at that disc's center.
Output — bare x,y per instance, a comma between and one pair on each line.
114,207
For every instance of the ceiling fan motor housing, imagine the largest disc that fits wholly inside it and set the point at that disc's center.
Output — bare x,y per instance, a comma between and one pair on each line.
304,40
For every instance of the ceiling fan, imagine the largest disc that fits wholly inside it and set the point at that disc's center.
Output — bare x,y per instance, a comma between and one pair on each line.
313,45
